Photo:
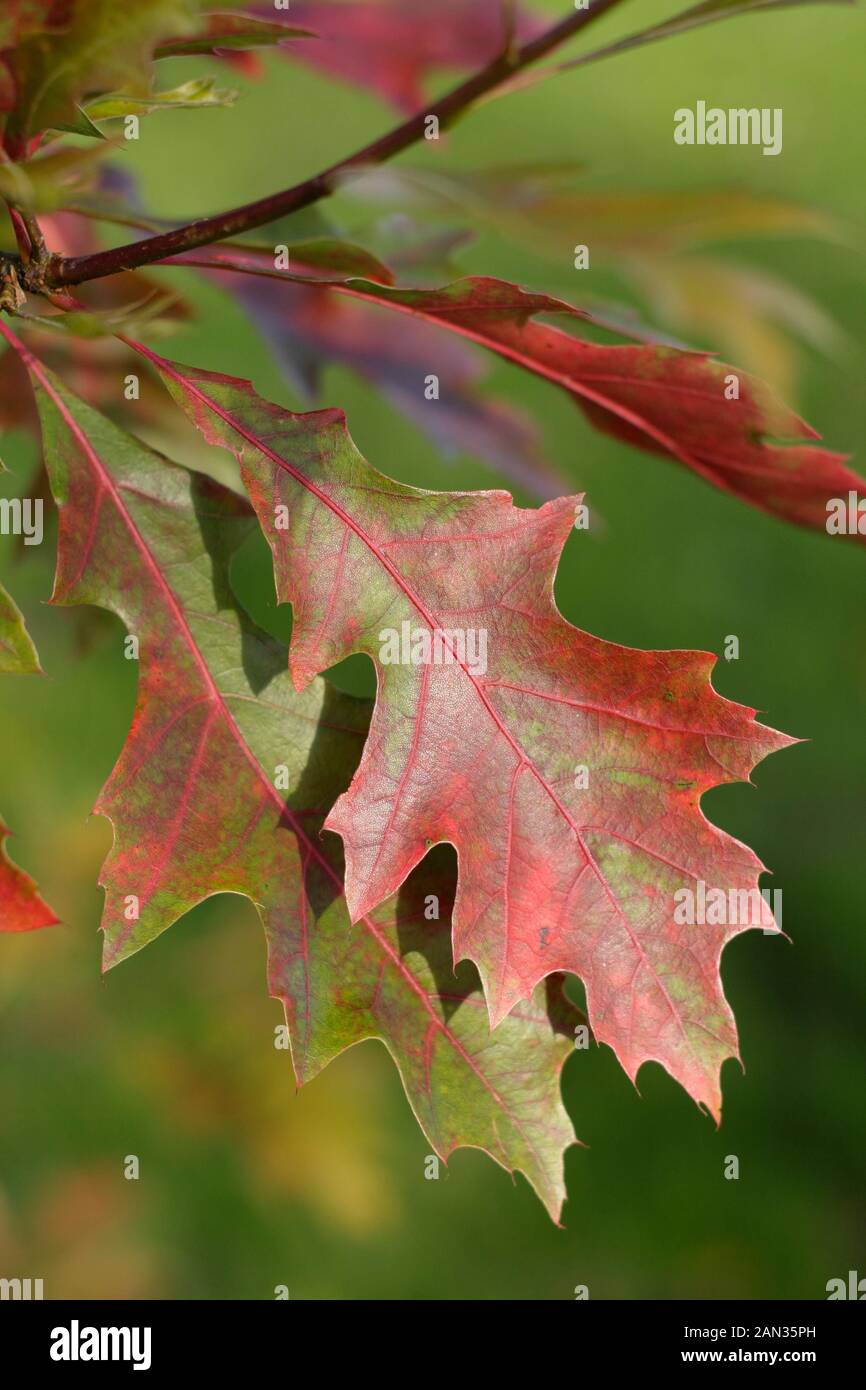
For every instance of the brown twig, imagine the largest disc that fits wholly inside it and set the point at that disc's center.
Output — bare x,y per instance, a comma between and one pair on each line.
76,270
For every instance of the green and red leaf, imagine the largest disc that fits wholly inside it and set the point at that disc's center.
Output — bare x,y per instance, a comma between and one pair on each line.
482,755
196,809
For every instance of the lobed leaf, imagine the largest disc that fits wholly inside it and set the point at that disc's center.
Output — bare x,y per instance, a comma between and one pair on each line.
482,754
655,397
196,810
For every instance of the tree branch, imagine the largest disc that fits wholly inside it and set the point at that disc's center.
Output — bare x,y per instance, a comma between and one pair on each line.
76,270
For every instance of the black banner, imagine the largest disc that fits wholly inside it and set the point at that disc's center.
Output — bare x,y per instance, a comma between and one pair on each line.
78,1339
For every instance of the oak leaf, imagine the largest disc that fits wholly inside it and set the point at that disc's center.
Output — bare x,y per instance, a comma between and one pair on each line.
198,807
566,771
720,422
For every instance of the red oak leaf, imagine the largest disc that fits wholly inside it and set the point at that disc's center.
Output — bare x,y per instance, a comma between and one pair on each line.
566,771
722,423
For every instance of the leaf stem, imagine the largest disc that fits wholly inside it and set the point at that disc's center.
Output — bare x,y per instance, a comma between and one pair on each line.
76,270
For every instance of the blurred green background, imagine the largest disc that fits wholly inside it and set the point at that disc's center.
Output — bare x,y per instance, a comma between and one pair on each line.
244,1183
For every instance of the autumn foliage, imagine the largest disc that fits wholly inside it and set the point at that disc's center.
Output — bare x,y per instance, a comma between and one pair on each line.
565,770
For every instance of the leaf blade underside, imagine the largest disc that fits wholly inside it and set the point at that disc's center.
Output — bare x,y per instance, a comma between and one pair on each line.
659,399
550,879
196,811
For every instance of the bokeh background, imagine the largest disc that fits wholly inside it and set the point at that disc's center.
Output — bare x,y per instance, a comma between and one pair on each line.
246,1184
